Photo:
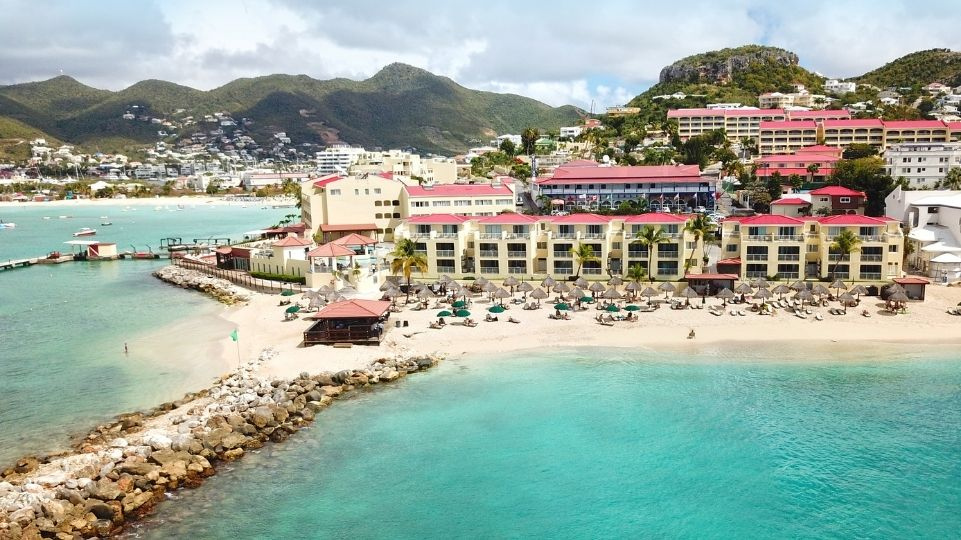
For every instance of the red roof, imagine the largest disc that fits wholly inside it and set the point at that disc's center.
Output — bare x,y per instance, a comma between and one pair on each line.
954,126
676,113
821,149
851,219
806,157
790,201
911,281
914,124
617,175
580,218
291,241
340,227
350,309
508,218
584,163
326,180
458,190
442,219
837,191
331,250
694,277
854,122
656,217
788,171
828,113
354,239
790,124
731,261
770,219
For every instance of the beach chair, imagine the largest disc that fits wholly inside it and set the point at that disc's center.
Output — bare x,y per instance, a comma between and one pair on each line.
513,320
741,313
435,326
952,311
818,316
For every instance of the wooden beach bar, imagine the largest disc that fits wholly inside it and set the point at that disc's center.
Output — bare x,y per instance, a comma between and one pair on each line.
351,321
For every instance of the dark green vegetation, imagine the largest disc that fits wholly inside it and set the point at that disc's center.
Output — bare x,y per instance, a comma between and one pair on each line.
399,106
918,68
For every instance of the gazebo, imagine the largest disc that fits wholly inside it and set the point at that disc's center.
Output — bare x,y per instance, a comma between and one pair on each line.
350,321
710,284
362,245
913,286
331,252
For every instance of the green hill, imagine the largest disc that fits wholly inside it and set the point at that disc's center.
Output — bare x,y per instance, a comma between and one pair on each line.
15,137
399,106
921,68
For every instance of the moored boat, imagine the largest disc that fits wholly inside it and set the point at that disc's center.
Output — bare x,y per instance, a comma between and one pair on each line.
85,231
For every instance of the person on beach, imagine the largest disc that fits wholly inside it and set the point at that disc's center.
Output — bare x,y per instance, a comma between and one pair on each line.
125,349
690,334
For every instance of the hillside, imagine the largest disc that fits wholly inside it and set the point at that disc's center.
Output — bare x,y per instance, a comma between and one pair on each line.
728,75
921,68
15,138
399,106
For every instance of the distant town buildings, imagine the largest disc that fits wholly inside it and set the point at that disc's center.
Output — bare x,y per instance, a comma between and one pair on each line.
839,88
923,165
741,123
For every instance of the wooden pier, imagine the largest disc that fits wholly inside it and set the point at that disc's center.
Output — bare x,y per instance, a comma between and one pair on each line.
17,263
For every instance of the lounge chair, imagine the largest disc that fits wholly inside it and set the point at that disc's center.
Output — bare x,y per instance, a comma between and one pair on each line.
605,323
733,312
800,314
818,316
866,313
952,311
741,313
435,326
513,320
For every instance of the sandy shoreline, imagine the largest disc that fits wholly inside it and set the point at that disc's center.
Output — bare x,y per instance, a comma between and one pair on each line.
147,201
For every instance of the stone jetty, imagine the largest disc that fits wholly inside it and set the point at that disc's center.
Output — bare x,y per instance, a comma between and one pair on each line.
121,470
220,289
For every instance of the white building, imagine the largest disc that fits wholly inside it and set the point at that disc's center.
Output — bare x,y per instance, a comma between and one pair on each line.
571,131
515,139
836,87
922,164
337,158
934,223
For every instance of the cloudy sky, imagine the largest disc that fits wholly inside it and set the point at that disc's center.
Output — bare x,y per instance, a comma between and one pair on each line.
559,52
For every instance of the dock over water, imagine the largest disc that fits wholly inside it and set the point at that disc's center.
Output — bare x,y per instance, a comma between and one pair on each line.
17,263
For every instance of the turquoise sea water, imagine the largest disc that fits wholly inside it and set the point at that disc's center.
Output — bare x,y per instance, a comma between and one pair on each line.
612,444
63,327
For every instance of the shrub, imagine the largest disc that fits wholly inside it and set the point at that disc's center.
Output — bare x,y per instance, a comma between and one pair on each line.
280,277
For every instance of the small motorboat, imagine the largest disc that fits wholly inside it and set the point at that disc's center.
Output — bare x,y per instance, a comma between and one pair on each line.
7,225
106,223
85,231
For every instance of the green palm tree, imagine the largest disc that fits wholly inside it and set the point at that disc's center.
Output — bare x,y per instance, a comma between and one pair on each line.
636,273
406,259
700,227
812,170
583,253
845,243
650,237
351,274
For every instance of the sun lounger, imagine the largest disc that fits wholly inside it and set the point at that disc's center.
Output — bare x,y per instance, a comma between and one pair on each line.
952,311
741,313
800,314
605,323
435,326
716,313
818,316
513,320
866,313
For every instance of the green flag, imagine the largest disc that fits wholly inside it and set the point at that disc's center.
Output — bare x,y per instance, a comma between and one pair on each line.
234,336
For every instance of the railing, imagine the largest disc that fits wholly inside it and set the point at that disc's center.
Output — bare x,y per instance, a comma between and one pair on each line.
446,235
871,258
488,253
788,238
634,254
514,235
566,236
756,256
593,236
420,235
516,253
516,269
843,275
562,255
667,254
591,271
445,269
788,257
871,275
564,271
786,275
353,334
445,252
835,256
491,236
489,270
755,274
870,237
240,278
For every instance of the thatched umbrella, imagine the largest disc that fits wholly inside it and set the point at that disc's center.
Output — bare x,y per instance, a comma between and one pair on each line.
820,290
781,290
489,287
744,288
798,285
649,292
611,294
859,290
539,294
725,294
615,281
338,298
424,293
632,287
804,295
666,288
597,287
445,279
525,288
511,282
383,286
895,288
846,298
898,297
501,293
548,282
687,292
561,288
763,294
838,284
580,282
576,293
760,283
327,289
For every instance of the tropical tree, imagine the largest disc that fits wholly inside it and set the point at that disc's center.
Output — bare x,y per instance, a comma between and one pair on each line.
952,180
507,146
700,227
650,237
351,274
528,137
845,243
636,273
583,253
406,259
812,170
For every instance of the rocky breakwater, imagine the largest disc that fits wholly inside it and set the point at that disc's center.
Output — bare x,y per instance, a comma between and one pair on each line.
119,471
221,289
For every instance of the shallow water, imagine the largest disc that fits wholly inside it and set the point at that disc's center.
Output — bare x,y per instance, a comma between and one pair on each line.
63,327
612,444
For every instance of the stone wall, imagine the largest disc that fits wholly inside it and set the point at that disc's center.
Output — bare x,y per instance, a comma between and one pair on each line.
221,289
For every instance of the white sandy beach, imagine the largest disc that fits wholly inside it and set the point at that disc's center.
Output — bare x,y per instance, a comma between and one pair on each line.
146,201
261,325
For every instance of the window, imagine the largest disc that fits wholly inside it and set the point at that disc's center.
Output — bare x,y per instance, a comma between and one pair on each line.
356,192
378,216
441,203
502,201
366,192
376,203
893,248
335,192
395,203
826,199
419,204
844,200
386,203
616,245
670,229
396,214
376,191
812,248
462,202
731,248
389,230
423,229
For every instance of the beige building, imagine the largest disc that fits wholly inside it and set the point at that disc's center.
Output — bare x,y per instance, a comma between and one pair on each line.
435,170
741,123
794,248
515,244
782,137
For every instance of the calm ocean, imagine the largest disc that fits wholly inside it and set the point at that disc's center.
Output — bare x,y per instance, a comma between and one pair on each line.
612,444
63,327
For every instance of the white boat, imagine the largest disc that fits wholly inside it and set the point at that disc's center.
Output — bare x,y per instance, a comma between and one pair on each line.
106,223
7,225
46,217
85,231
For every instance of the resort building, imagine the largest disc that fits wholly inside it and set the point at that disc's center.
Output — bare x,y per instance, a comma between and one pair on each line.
432,170
347,260
588,185
521,245
819,159
781,137
741,123
837,200
337,158
790,248
460,199
923,165
838,88
933,220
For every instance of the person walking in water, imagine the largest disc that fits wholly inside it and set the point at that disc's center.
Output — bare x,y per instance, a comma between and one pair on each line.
125,349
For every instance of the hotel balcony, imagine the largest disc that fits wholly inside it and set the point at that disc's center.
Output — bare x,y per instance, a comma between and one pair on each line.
517,254
668,254
871,258
635,254
789,257
593,236
488,253
562,255
755,274
565,236
517,270
564,271
591,271
871,276
776,238
491,236
756,257
444,253
489,270
446,235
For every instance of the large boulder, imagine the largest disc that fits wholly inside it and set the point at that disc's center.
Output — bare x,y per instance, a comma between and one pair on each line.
215,437
105,490
261,416
157,440
100,509
233,440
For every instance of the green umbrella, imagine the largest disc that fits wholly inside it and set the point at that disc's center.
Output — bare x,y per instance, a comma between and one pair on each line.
462,313
293,309
587,299
496,309
445,313
612,308
631,307
561,307
287,292
459,304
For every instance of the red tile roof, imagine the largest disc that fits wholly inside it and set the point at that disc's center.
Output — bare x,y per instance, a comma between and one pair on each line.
837,191
731,261
854,122
790,124
617,175
827,113
676,113
695,277
331,250
354,239
790,201
350,309
580,219
911,281
914,124
771,219
321,182
508,218
458,190
656,217
442,219
821,149
851,219
764,172
807,157
291,241
341,227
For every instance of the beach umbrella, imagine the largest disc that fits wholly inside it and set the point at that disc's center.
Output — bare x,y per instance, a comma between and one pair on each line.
820,290
898,297
424,293
633,286
597,287
895,288
580,282
612,308
338,298
763,293
781,290
687,292
804,295
489,287
798,285
496,309
631,307
587,299
287,292
511,282
327,289
615,281
576,293
444,313
445,279
649,292
845,298
760,283
548,282
293,309
481,281
462,313
610,294
393,293
459,304
383,286
501,293
561,288
666,288
561,307
539,294
838,284
725,294
859,290
525,287
743,288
